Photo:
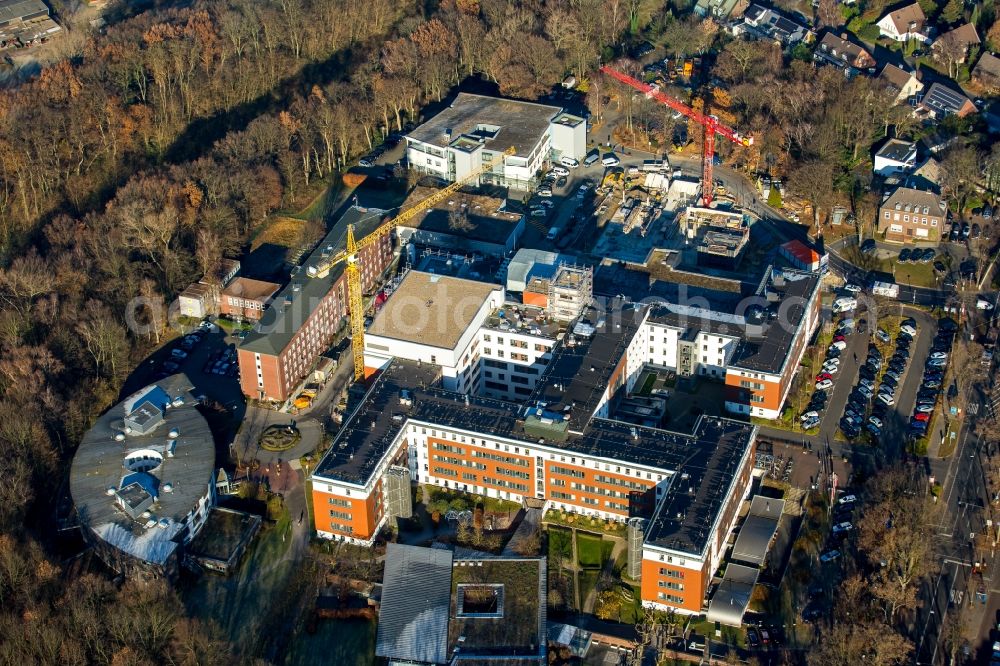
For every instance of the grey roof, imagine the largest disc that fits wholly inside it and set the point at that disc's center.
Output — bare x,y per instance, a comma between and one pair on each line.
578,374
908,198
188,465
733,595
13,10
897,149
525,260
769,352
757,531
304,294
943,100
416,599
522,124
710,455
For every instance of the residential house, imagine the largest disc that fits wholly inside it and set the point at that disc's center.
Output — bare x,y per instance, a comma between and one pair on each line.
940,101
718,9
244,298
908,215
765,23
927,176
905,84
987,73
904,24
840,52
953,46
895,156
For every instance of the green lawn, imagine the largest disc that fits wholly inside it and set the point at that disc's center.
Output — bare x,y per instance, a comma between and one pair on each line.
592,551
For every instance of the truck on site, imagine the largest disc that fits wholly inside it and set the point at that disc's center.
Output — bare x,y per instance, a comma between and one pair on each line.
885,289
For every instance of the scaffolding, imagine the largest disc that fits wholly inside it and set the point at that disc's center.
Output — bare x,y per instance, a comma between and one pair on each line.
399,502
570,291
635,538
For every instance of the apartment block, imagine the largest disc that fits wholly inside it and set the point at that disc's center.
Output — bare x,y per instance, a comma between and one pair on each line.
302,319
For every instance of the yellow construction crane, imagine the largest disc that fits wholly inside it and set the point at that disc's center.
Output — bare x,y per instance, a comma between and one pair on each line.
350,256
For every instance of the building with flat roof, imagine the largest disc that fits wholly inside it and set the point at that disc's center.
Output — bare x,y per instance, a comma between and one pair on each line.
895,156
439,609
302,319
560,442
25,22
465,223
476,130
143,479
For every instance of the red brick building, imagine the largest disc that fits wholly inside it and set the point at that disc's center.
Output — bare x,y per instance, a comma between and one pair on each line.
302,319
246,299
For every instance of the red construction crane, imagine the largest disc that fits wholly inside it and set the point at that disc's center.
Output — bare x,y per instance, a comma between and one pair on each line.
710,123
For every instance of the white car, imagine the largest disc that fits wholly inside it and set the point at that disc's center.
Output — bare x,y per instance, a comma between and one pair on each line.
809,415
839,344
886,399
909,330
853,288
845,304
983,304
824,385
938,355
831,361
544,192
847,499
570,162
610,161
539,212
560,171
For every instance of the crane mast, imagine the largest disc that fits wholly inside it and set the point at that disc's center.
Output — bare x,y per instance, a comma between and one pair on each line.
710,123
350,257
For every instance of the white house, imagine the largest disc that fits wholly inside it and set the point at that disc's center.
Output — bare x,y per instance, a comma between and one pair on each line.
905,23
896,156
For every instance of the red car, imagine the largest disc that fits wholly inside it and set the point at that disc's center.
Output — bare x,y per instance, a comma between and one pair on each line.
824,375
839,338
922,416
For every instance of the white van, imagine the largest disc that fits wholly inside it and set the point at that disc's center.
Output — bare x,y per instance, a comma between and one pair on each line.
610,161
844,304
569,162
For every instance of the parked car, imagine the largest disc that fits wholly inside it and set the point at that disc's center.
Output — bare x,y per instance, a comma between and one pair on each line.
927,407
829,556
869,246
883,335
842,528
811,423
886,399
852,288
824,384
839,344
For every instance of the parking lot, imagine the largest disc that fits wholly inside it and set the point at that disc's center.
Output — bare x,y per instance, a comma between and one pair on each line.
208,358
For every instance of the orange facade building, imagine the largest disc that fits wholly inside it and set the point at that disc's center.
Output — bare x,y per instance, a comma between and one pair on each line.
562,447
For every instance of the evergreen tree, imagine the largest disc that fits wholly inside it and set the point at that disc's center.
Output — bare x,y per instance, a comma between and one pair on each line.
952,12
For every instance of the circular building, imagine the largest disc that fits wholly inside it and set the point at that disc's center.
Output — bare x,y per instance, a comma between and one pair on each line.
143,479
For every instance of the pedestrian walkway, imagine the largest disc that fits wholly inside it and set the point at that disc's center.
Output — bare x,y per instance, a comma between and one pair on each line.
530,525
